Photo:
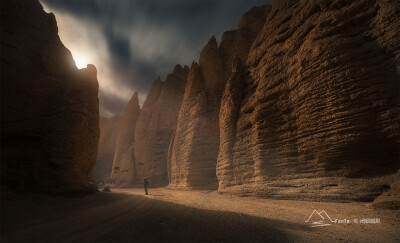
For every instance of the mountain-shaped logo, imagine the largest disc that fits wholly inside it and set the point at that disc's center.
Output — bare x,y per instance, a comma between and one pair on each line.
319,219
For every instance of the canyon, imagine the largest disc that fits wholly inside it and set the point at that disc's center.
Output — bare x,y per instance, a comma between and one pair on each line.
299,102
293,115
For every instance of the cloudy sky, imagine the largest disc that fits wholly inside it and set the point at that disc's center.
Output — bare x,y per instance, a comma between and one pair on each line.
133,42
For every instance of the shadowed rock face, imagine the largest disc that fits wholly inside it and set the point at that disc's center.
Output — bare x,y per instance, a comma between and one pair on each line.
106,148
49,108
155,126
194,149
123,164
319,111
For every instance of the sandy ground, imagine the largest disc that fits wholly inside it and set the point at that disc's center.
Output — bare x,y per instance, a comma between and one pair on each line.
126,215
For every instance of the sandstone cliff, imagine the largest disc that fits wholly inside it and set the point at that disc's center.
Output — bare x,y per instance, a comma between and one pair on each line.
194,149
49,108
301,101
155,126
106,147
319,112
123,165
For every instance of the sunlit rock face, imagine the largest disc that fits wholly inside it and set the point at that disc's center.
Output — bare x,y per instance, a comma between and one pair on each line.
318,116
49,108
155,126
194,148
123,165
106,148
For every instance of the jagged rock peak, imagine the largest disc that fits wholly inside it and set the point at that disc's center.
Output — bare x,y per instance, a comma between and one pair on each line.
134,99
194,65
227,35
155,126
211,44
135,96
210,50
254,18
154,93
177,69
194,83
92,68
51,19
186,69
124,144
90,72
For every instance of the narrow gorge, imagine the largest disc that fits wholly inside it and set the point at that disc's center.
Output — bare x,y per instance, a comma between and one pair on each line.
280,124
297,102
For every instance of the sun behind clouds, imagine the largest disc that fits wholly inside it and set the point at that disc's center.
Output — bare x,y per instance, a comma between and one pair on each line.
81,60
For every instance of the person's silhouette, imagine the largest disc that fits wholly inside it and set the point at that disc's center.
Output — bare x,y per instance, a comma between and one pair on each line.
146,185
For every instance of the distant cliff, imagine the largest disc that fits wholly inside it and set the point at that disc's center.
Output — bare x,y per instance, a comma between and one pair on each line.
49,108
123,163
106,147
156,125
194,150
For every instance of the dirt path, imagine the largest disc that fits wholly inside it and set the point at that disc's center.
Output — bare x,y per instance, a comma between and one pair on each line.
289,216
169,215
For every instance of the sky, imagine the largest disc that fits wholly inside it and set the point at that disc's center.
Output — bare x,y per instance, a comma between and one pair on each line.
132,42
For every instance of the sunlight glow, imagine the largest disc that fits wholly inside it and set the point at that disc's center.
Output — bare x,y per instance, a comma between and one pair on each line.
80,61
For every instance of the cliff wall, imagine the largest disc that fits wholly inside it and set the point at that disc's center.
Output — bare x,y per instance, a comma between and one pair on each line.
106,147
49,108
156,125
123,168
319,112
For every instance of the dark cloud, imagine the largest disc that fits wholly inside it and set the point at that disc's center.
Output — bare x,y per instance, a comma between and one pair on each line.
118,46
145,39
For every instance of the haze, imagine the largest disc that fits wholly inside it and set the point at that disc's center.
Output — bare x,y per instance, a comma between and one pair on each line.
131,43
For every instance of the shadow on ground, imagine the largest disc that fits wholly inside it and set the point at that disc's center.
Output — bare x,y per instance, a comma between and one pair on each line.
116,217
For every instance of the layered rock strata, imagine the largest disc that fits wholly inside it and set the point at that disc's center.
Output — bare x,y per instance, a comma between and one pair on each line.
300,102
49,108
155,126
319,113
194,149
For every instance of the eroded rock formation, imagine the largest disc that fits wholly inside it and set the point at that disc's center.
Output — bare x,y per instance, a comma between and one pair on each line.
49,108
155,126
320,107
106,148
301,101
194,149
123,164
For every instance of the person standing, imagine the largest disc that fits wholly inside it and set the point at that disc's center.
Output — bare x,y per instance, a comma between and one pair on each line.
146,185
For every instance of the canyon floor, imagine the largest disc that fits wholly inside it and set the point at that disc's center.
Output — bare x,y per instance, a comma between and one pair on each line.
127,215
